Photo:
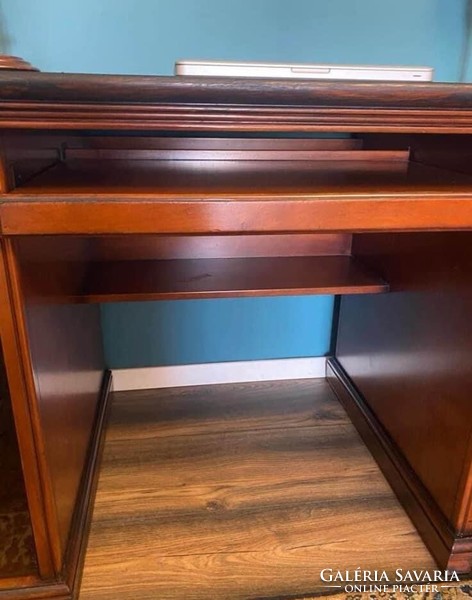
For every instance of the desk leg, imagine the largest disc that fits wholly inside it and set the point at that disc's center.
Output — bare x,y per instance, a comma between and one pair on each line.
403,369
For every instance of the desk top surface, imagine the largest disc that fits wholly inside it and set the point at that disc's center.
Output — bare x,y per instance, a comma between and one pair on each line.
70,87
77,101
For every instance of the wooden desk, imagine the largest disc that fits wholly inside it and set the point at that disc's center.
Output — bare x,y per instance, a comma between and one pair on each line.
142,188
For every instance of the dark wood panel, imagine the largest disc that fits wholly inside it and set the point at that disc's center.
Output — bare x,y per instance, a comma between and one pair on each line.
63,377
82,516
67,87
417,501
71,249
152,247
445,151
65,101
32,587
147,280
230,148
280,156
409,356
29,439
248,144
27,155
68,373
189,179
238,491
204,278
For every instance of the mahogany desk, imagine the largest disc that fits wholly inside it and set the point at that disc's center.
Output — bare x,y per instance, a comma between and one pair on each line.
141,188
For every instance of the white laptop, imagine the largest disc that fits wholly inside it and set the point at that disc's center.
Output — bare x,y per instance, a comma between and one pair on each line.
303,71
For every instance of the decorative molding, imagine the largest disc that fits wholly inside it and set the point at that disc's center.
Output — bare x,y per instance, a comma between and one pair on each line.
231,117
214,373
114,102
43,591
75,554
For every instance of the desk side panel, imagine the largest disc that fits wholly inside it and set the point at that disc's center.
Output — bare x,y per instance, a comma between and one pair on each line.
24,422
65,356
408,353
65,343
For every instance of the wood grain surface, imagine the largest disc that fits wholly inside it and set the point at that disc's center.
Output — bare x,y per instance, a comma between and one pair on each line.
73,101
63,378
238,492
243,197
229,277
249,179
84,88
130,280
410,355
21,405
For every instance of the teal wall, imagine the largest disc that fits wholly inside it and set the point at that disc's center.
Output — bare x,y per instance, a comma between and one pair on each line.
193,331
147,36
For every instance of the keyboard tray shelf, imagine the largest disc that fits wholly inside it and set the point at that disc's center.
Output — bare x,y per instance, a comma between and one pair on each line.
113,281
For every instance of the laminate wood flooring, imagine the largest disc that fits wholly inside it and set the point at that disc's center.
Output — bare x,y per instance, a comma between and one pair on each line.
17,553
232,492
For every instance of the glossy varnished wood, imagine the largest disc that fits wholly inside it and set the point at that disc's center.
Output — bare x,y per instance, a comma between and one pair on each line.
242,179
68,378
156,247
62,380
85,497
430,522
95,269
235,492
409,357
142,280
96,217
24,414
217,148
283,187
70,249
237,197
68,101
72,87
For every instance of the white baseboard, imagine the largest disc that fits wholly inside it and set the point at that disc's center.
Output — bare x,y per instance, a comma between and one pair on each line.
211,373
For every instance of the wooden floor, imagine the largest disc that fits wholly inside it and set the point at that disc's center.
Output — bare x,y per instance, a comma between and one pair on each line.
238,492
17,554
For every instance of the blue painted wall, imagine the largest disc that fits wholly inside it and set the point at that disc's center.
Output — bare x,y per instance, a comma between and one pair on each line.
226,329
147,36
